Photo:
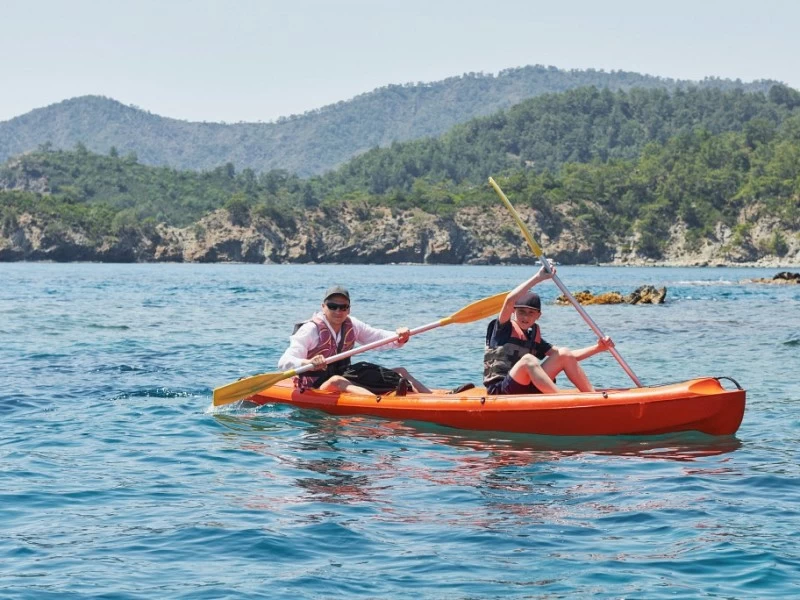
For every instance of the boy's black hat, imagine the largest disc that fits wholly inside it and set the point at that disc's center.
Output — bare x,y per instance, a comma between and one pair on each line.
529,300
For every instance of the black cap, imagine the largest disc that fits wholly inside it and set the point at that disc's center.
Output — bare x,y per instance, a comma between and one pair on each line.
336,290
529,300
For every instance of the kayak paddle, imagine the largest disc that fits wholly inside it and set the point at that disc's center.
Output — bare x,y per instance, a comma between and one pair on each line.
546,264
248,386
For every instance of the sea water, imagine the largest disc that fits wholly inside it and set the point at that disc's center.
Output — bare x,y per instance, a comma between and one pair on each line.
117,480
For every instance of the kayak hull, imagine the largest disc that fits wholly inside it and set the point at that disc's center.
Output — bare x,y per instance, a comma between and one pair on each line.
695,405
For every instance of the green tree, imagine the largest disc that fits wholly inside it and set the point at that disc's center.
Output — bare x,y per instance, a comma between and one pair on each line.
238,207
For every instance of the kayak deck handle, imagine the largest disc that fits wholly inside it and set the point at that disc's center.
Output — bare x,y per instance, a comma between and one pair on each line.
736,383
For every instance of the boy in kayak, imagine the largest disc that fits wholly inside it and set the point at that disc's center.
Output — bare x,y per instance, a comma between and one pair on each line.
333,331
517,360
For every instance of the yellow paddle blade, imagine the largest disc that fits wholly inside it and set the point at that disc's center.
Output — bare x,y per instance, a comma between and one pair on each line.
248,386
478,310
525,232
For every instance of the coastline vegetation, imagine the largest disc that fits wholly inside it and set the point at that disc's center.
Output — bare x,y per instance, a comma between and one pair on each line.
612,164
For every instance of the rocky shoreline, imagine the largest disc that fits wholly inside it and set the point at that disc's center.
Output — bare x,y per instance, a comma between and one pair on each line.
379,235
766,263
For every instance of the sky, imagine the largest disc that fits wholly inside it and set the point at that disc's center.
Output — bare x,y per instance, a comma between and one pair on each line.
257,60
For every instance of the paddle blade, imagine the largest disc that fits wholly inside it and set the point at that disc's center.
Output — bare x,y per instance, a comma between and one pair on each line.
248,386
525,231
478,310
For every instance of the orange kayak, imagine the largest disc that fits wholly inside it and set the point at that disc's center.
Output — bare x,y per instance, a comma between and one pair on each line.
695,405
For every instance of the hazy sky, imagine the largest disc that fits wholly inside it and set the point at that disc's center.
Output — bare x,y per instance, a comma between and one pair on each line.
256,60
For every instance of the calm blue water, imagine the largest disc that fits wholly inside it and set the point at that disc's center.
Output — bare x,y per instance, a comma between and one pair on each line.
118,481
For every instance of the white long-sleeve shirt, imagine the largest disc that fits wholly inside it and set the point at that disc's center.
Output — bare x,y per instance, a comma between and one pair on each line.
305,339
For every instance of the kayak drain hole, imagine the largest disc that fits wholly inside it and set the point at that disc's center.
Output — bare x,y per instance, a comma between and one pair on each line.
483,400
605,394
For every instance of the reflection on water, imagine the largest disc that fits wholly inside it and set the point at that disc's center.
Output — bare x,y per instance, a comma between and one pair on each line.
327,429
356,460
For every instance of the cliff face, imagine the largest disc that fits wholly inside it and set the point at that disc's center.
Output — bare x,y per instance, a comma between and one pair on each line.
378,236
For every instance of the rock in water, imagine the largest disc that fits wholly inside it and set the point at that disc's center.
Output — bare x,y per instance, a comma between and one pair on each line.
780,278
645,294
787,276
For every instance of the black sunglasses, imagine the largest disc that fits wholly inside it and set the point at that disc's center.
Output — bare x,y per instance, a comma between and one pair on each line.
335,306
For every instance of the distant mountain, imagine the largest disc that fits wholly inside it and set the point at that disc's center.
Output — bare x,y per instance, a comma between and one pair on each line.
318,140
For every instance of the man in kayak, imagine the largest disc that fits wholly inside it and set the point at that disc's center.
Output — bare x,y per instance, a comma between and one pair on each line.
517,360
333,331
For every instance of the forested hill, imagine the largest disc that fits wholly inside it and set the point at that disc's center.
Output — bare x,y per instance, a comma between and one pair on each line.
318,140
577,126
700,177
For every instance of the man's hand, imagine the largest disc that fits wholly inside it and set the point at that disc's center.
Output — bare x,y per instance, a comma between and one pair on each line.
318,361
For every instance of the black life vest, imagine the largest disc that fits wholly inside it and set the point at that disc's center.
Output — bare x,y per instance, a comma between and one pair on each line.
498,359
